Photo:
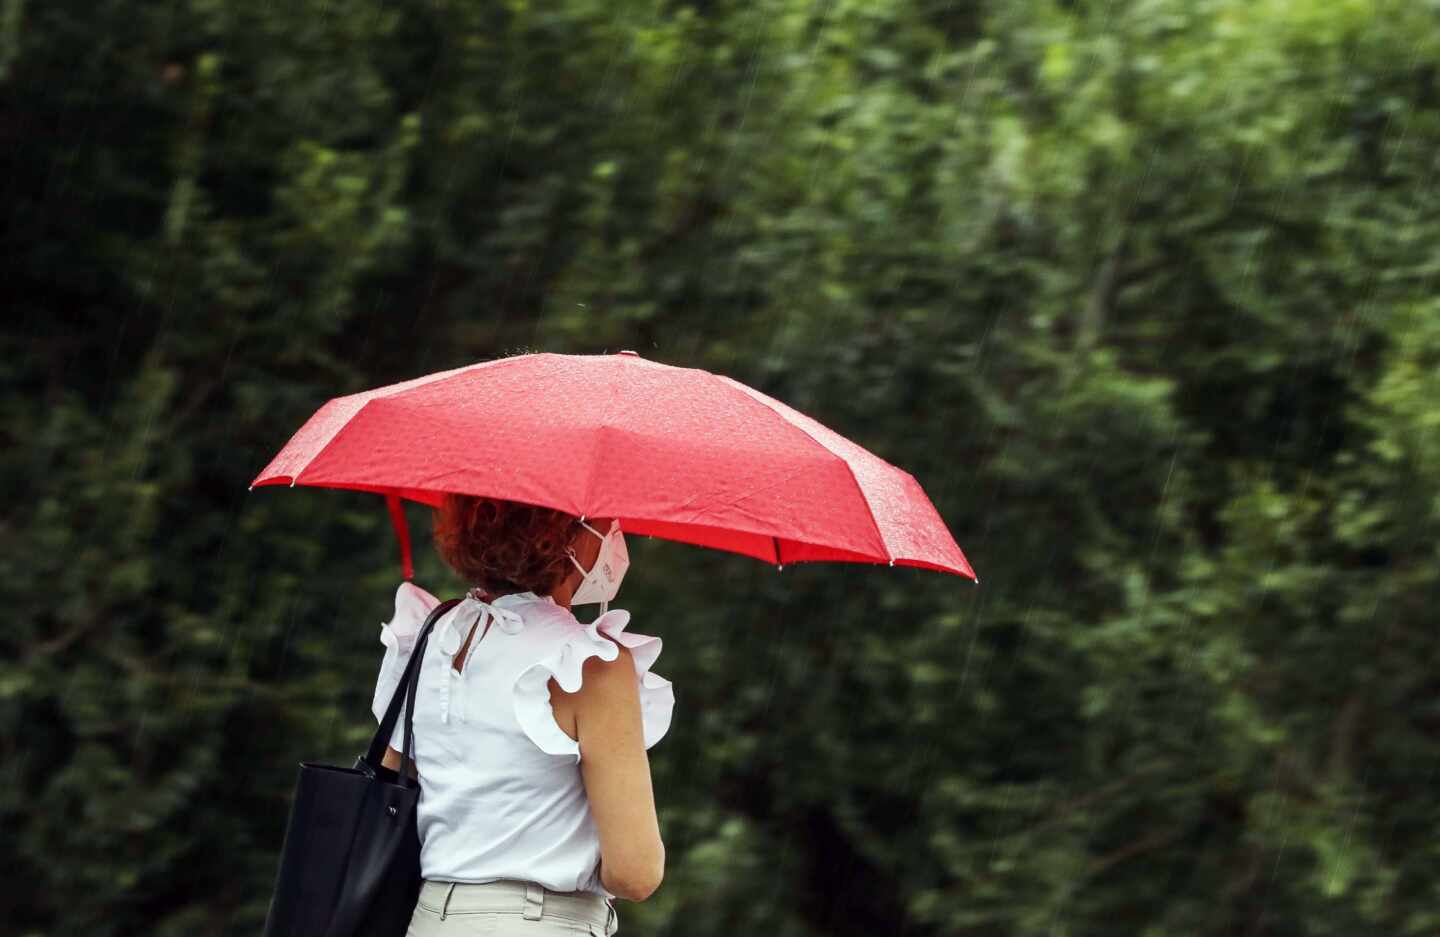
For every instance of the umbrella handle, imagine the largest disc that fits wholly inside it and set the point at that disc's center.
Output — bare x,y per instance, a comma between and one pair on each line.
402,533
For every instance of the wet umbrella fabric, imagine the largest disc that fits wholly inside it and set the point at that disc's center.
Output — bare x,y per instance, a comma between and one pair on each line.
678,453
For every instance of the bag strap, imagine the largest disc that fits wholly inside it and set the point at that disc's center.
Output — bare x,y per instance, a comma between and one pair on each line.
409,680
407,751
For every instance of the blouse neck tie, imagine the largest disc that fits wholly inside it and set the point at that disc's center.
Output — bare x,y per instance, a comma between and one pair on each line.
477,614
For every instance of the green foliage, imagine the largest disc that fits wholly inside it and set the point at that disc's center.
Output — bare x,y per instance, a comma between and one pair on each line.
1142,293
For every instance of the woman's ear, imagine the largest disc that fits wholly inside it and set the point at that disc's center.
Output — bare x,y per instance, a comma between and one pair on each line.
577,531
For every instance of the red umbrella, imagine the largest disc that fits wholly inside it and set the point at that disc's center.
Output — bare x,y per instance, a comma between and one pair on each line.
677,453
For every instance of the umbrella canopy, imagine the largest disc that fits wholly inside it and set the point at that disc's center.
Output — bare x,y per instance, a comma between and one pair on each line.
678,453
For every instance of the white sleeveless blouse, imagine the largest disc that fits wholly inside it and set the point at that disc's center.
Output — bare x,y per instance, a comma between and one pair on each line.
501,794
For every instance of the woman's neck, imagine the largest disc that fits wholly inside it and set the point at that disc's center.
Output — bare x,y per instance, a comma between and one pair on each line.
560,596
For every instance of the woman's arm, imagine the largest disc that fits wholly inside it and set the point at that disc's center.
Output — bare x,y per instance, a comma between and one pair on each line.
616,770
392,761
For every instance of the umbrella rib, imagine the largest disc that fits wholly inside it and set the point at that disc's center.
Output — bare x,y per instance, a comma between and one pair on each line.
339,431
395,391
588,504
765,401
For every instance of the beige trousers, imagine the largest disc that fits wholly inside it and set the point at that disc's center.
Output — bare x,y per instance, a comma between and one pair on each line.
508,908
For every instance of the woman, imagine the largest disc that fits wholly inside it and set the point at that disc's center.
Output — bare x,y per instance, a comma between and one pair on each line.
520,834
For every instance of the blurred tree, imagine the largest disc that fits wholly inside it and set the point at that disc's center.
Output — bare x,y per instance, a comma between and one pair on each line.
1142,293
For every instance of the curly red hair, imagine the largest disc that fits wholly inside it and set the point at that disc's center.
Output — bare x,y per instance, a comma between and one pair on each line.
504,546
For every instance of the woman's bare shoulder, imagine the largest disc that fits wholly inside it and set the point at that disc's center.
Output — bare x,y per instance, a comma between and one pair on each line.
600,678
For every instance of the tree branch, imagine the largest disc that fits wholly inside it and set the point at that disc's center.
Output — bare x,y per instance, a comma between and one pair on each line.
1139,847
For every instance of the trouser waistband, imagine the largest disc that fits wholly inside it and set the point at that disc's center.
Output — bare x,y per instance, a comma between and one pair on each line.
532,898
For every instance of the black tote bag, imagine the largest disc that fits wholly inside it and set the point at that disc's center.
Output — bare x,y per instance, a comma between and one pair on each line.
350,864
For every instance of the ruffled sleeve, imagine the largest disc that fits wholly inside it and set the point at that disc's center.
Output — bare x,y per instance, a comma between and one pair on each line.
564,661
412,605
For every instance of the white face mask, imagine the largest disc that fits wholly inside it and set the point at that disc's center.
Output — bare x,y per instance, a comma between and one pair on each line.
602,579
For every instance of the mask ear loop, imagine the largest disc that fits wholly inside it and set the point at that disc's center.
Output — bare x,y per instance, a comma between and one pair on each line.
570,551
614,529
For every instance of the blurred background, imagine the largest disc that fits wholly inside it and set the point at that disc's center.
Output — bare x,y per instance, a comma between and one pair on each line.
1143,292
